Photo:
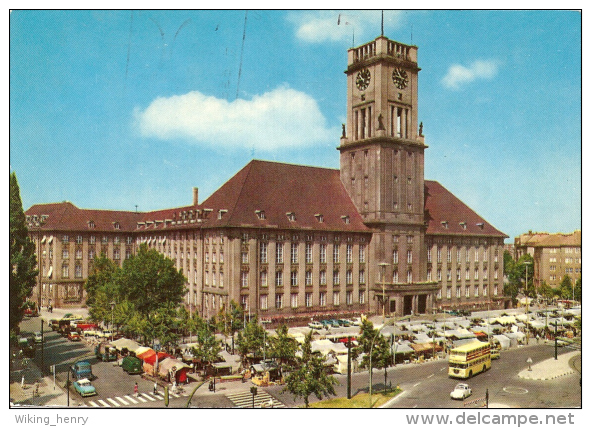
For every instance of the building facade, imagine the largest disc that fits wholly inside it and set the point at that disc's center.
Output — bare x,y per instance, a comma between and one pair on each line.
555,255
290,241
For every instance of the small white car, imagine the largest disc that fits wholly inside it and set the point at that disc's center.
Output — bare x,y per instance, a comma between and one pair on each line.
461,391
315,325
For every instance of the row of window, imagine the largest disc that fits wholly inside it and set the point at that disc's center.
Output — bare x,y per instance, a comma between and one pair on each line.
279,300
459,255
92,253
309,299
92,240
309,253
294,275
467,291
459,274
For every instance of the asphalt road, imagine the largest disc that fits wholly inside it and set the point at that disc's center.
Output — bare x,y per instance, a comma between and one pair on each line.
425,385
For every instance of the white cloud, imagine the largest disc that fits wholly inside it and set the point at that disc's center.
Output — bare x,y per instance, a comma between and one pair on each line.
334,25
459,75
282,117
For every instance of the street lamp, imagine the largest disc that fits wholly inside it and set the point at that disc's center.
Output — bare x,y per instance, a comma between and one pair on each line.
370,354
383,273
112,318
526,306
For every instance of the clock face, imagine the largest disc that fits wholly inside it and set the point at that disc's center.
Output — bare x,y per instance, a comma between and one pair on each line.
400,78
363,78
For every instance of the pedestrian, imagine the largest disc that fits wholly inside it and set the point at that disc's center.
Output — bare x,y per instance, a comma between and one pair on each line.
135,390
155,387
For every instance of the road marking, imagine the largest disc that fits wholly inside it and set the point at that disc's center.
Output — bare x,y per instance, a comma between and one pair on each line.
103,403
110,400
416,384
444,368
173,394
127,397
431,375
158,396
148,397
93,404
122,401
141,399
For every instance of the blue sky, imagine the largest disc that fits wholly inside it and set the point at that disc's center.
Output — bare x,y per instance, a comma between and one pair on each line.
113,109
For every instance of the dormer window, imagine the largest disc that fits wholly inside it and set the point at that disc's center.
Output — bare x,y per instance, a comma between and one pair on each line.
480,225
206,212
116,225
260,214
463,224
291,216
444,224
346,219
319,217
91,224
221,213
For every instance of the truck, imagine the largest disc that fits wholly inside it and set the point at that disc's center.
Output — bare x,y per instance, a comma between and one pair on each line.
132,365
105,352
81,370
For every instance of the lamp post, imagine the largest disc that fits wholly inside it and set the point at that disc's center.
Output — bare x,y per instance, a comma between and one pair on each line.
112,320
370,354
526,306
383,273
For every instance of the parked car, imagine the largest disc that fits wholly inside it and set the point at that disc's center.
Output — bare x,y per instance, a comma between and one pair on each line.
315,325
74,336
334,323
325,324
344,322
132,365
495,353
107,334
84,387
461,391
82,370
38,337
71,317
26,346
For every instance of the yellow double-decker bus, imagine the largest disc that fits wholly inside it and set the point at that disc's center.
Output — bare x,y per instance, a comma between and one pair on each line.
467,360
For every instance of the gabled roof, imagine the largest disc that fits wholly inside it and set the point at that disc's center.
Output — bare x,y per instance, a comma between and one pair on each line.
447,215
265,194
67,216
545,239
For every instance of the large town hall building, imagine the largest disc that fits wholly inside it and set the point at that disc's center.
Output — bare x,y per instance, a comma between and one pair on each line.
292,241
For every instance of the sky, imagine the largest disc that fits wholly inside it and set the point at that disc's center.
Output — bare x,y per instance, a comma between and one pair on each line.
116,109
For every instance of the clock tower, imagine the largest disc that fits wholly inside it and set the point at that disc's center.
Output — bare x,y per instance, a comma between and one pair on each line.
382,163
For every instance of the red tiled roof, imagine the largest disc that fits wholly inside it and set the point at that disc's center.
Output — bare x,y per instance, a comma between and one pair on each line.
443,209
277,189
67,216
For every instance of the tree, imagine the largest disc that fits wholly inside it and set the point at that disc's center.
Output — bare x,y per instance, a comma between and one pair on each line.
516,273
565,290
370,340
230,319
251,340
283,347
150,282
578,290
208,348
23,261
546,291
310,376
101,289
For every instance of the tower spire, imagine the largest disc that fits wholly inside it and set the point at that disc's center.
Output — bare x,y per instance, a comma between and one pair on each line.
382,22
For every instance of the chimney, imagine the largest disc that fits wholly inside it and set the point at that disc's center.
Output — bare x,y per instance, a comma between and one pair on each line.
195,196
